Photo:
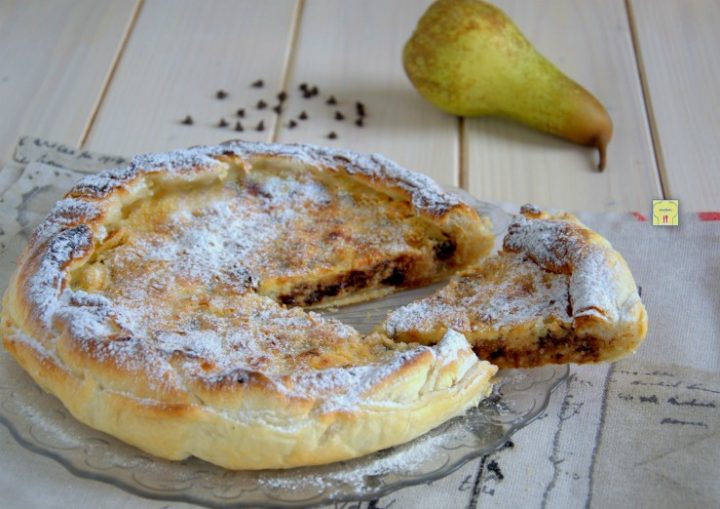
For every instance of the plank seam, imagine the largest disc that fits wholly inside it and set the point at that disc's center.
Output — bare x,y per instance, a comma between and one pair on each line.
289,59
463,178
647,100
111,74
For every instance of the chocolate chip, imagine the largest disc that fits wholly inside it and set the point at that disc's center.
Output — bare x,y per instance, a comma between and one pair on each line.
239,127
221,94
222,123
339,116
396,278
261,105
332,135
260,126
303,115
188,120
240,113
277,109
445,250
258,84
314,90
360,108
282,96
303,87
292,124
359,122
331,101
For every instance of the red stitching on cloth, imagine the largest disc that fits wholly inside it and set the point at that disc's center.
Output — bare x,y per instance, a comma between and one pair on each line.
709,216
639,216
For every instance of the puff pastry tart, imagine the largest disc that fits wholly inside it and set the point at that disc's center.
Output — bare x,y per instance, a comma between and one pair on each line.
557,292
158,302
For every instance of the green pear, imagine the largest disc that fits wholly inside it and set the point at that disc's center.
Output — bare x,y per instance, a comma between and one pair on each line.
468,58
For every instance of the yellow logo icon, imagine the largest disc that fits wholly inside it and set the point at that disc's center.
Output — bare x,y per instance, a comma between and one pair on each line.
665,212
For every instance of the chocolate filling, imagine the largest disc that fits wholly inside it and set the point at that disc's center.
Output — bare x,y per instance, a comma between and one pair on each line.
386,273
559,350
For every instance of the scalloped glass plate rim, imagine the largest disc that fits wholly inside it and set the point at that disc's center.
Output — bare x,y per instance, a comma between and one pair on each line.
63,456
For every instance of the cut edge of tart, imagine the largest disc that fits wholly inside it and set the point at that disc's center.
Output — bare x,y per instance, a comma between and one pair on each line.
151,301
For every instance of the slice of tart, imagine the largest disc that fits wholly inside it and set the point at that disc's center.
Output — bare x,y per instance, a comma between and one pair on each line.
557,292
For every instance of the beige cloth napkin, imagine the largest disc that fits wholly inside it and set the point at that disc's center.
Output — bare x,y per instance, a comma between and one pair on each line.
643,432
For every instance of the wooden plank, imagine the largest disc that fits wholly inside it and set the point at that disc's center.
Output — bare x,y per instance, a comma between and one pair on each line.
180,54
678,43
53,73
352,50
591,42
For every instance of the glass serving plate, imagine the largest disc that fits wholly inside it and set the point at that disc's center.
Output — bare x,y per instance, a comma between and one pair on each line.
39,422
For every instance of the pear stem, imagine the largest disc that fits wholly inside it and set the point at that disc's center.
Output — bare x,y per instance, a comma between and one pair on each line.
602,150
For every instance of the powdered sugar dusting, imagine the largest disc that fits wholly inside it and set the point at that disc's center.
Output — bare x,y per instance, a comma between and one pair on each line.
562,245
65,213
44,287
400,460
211,249
476,301
426,194
549,268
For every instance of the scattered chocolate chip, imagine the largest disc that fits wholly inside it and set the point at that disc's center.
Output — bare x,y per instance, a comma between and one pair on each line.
277,108
360,108
260,126
282,96
221,94
303,87
308,92
240,113
261,105
339,116
188,120
258,84
222,123
332,135
292,124
331,101
239,127
359,122
303,115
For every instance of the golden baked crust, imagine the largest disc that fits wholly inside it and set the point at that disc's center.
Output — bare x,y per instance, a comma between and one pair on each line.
557,292
150,301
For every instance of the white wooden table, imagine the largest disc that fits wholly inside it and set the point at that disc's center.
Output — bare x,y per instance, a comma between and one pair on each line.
119,76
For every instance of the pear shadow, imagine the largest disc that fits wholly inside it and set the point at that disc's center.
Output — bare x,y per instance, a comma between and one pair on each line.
515,134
